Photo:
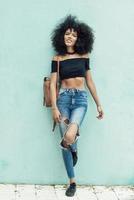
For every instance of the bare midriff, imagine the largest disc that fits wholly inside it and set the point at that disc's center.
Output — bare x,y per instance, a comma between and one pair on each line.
77,82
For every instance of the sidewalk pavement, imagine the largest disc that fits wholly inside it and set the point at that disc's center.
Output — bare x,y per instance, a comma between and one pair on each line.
57,192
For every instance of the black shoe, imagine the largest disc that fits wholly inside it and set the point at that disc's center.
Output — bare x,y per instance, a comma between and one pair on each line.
75,157
71,190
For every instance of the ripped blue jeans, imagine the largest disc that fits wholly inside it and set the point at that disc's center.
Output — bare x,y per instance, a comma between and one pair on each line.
72,104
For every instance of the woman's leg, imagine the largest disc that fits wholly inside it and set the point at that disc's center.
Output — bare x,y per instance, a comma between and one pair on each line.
76,119
74,113
69,130
66,153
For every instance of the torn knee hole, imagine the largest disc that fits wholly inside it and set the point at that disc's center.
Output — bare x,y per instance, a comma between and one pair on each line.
76,131
65,144
65,120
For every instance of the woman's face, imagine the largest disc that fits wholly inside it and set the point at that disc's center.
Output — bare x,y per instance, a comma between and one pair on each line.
70,37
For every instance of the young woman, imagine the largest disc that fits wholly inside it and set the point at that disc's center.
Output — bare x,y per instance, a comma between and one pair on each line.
73,41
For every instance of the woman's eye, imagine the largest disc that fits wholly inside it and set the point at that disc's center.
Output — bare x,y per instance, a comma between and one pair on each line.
69,33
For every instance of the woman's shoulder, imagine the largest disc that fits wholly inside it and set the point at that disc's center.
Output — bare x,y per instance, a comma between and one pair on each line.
86,55
55,57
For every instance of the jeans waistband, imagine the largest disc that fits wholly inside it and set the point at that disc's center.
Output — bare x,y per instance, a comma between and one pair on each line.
72,89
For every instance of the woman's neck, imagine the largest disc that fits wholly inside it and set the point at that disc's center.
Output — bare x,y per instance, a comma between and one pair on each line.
70,50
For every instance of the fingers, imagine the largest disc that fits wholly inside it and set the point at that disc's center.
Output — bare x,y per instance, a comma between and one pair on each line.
99,117
101,114
57,116
58,119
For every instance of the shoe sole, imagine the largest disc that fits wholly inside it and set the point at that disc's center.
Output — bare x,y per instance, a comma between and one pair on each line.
70,195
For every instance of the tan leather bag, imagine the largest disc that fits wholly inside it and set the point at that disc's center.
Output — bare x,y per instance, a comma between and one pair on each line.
46,90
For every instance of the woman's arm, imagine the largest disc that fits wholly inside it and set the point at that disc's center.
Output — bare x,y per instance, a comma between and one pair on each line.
92,88
53,82
53,89
90,83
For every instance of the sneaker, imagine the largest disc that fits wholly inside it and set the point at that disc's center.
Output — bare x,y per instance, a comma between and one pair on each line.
71,190
75,157
64,145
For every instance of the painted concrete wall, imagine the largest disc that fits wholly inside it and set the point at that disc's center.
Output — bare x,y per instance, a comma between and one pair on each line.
29,152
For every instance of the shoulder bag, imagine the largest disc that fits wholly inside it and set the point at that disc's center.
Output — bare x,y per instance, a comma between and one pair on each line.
46,90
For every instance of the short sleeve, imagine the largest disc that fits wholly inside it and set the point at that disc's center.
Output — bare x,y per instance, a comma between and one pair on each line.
53,66
87,64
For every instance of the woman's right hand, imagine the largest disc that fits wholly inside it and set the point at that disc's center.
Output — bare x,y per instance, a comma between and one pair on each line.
56,115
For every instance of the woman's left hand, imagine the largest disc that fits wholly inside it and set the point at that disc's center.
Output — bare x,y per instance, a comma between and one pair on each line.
101,113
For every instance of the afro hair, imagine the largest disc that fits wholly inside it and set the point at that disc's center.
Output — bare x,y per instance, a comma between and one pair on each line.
85,39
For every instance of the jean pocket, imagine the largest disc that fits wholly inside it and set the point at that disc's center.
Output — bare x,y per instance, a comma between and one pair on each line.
61,93
83,94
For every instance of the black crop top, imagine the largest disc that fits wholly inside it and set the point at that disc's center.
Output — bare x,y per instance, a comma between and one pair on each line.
72,67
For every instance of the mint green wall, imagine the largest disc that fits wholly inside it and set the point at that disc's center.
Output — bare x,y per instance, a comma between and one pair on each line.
29,152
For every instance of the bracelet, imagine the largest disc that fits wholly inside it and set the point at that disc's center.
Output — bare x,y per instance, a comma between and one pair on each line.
54,108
